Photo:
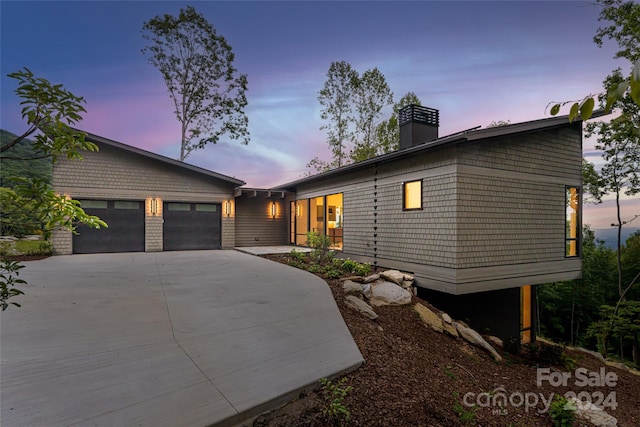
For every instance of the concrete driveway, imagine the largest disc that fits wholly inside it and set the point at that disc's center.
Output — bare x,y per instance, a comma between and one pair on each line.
165,339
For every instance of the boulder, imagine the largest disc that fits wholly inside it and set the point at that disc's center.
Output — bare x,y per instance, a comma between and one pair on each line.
476,339
393,276
406,284
429,318
361,306
371,278
366,290
358,279
589,412
409,277
450,329
352,288
387,293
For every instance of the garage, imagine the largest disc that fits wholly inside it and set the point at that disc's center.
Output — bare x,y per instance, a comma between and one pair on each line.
191,226
125,233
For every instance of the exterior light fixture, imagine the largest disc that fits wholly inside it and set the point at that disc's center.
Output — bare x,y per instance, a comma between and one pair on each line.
298,210
274,210
227,208
154,206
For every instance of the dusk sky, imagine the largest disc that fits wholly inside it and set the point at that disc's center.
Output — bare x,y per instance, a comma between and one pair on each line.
475,61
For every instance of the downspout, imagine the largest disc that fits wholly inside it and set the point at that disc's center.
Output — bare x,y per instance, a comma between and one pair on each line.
375,215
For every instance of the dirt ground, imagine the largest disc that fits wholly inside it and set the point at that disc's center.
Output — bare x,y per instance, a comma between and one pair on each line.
414,376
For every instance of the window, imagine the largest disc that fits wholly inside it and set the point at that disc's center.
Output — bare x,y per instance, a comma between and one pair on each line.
572,222
412,195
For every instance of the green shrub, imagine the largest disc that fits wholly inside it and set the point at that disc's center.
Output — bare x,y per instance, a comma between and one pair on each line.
9,272
320,244
331,272
314,268
467,416
562,412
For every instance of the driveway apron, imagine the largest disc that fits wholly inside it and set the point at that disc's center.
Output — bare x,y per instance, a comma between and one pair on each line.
191,338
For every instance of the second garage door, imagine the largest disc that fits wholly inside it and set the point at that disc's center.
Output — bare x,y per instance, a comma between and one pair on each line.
191,226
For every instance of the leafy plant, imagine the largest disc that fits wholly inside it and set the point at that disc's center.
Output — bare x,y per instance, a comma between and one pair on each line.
314,268
562,412
320,244
331,272
334,394
9,272
467,416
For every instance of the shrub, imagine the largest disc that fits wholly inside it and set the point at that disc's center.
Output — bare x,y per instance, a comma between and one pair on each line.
320,244
331,272
562,412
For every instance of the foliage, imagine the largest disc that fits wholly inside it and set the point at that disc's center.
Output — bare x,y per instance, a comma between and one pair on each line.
347,265
37,168
623,19
388,132
550,355
320,244
17,215
562,412
334,394
617,327
467,416
336,98
497,123
9,272
196,64
50,112
332,272
351,106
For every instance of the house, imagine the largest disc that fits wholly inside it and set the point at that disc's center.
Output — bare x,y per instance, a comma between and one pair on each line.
479,217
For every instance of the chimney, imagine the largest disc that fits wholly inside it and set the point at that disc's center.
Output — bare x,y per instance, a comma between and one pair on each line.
417,125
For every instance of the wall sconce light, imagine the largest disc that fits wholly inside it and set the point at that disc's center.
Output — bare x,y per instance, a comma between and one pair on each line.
154,206
227,208
274,210
298,210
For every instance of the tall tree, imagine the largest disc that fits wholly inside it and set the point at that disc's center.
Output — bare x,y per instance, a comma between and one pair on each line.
372,95
336,98
388,132
196,64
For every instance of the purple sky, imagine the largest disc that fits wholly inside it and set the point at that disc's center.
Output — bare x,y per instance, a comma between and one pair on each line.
474,61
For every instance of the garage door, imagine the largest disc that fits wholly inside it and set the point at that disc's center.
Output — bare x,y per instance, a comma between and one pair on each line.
189,226
125,233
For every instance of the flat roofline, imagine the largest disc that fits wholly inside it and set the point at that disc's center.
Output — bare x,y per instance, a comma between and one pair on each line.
102,140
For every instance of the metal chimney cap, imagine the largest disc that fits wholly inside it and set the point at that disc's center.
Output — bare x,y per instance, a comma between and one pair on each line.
419,114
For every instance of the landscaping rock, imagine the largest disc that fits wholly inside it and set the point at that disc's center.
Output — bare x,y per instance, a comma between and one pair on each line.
446,318
496,341
476,339
366,290
361,306
429,318
589,412
393,276
450,329
352,288
590,352
358,279
406,284
387,293
371,278
409,277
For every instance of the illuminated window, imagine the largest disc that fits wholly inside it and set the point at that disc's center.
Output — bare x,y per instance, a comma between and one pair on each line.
525,314
412,195
572,222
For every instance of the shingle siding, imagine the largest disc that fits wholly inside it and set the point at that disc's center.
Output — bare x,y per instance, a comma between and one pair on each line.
256,226
116,174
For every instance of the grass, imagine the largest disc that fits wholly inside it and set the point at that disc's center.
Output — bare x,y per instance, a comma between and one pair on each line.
25,247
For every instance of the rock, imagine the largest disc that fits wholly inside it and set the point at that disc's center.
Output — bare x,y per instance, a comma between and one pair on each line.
406,284
446,318
496,341
409,277
589,412
590,352
366,290
387,293
361,306
617,365
358,279
429,318
476,339
352,288
393,276
450,329
371,278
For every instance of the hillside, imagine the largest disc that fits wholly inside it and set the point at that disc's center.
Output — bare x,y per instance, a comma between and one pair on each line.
40,168
414,376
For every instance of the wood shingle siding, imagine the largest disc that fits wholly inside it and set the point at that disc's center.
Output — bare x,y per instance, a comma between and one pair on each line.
254,224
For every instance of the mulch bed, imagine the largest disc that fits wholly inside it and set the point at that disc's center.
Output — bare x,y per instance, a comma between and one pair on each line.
413,376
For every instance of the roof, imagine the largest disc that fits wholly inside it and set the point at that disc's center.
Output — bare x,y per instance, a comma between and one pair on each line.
101,140
473,134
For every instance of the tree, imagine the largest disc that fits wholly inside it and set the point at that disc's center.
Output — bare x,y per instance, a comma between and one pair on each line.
336,98
372,95
50,111
196,64
388,132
